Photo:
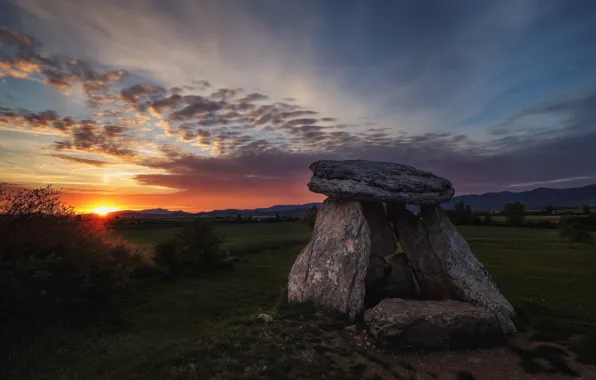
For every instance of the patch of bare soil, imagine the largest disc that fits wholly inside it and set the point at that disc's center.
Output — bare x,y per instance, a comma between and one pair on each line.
313,345
521,359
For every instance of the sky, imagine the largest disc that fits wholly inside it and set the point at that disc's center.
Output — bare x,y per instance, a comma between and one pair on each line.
201,105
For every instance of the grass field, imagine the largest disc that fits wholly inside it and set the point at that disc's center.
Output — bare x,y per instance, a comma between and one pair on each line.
248,237
191,328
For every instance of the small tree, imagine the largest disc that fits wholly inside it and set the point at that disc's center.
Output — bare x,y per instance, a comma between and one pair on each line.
462,214
514,213
310,217
487,220
548,210
194,249
44,201
587,210
573,231
277,217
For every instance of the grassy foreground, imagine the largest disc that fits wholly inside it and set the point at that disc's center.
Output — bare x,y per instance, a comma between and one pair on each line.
205,328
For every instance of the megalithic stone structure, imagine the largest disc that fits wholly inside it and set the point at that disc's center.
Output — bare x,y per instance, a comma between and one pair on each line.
343,267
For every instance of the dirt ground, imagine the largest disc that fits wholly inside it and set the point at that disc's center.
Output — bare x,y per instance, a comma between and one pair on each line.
508,362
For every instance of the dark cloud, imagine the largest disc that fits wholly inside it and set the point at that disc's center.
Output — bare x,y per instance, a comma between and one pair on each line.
295,122
158,106
572,111
197,106
266,145
83,135
79,160
226,94
253,97
27,60
472,166
14,38
137,92
47,121
90,138
202,84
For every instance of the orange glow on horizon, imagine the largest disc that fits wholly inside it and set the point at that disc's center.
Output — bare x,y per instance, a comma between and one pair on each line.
104,210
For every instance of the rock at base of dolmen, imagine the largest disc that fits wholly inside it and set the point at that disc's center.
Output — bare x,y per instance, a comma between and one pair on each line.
468,278
330,271
411,324
378,181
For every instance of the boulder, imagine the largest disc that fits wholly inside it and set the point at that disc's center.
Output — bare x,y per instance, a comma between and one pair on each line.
432,324
425,262
330,271
467,277
378,181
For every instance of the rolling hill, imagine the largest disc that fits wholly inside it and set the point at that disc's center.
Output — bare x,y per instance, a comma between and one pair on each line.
533,199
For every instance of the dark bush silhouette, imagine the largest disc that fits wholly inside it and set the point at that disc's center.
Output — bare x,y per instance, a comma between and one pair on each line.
195,249
574,231
53,261
514,214
487,220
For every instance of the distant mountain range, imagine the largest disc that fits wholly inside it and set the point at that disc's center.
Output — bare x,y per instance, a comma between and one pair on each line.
533,199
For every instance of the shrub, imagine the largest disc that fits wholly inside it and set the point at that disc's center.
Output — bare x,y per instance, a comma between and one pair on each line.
487,220
53,261
195,249
514,214
572,230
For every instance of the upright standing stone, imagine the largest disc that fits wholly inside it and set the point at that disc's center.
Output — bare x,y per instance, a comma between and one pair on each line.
467,276
424,260
330,271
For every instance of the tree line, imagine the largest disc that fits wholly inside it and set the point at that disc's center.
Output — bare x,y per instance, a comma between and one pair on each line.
572,228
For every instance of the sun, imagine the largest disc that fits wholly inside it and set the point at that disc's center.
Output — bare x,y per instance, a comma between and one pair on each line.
104,210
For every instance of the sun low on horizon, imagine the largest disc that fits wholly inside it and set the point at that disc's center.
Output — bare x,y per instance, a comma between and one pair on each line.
104,210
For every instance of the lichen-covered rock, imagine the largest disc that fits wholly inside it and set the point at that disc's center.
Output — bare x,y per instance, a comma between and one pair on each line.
468,278
432,324
425,262
378,181
330,271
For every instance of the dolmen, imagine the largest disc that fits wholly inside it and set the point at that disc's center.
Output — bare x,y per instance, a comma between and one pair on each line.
432,293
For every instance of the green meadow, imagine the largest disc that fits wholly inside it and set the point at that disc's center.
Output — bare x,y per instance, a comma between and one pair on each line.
204,328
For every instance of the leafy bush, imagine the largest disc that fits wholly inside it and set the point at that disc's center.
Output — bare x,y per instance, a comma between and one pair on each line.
572,230
53,261
487,220
195,249
514,213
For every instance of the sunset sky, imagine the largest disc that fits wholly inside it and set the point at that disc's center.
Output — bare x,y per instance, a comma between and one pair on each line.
202,105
